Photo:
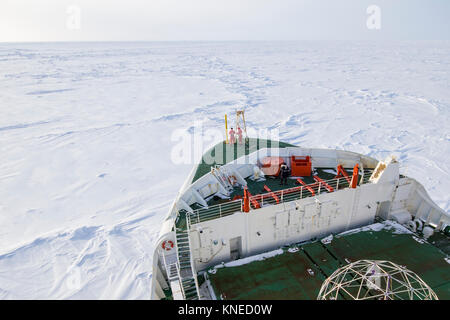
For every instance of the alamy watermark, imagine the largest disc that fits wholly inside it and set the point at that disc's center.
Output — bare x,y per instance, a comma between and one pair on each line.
374,19
67,278
73,279
189,144
73,21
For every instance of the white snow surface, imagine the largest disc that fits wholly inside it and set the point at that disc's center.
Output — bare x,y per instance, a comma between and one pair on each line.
327,240
247,260
86,176
393,226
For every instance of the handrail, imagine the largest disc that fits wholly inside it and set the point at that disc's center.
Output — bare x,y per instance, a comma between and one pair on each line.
308,189
285,195
194,272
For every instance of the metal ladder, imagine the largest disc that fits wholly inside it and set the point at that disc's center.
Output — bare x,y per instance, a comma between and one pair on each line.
187,274
170,262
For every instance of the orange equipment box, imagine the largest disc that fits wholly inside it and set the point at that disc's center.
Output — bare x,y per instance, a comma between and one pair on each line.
300,166
271,165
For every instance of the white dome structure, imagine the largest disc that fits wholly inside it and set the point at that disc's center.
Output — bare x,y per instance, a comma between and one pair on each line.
375,280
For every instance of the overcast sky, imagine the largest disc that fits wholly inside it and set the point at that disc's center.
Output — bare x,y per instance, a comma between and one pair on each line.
161,20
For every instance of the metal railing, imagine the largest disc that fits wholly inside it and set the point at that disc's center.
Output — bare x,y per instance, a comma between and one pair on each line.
274,197
216,211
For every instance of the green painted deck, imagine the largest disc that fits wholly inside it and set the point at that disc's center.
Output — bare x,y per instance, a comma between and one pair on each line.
232,152
299,275
274,278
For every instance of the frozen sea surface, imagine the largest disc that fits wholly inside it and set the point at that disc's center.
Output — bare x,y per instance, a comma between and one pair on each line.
86,176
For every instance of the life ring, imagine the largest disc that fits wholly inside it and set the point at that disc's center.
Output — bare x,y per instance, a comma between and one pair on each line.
167,245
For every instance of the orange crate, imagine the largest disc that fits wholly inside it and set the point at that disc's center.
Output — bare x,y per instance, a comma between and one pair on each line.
300,166
271,165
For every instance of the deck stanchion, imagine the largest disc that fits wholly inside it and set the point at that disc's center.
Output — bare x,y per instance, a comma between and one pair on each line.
337,184
318,191
226,129
246,200
301,192
354,181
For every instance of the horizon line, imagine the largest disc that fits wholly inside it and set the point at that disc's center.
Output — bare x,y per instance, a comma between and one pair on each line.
270,40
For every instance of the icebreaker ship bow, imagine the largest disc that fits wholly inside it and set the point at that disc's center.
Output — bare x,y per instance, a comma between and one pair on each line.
233,223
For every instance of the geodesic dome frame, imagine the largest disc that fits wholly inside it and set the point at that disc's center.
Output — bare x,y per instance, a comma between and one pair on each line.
375,280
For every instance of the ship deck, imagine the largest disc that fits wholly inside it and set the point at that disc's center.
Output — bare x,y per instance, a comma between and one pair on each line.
299,271
257,187
218,207
232,152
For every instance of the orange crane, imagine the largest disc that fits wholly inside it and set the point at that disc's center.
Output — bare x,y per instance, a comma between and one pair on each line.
272,194
307,186
326,185
342,173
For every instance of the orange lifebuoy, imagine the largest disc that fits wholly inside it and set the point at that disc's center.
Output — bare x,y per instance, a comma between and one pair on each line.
167,245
